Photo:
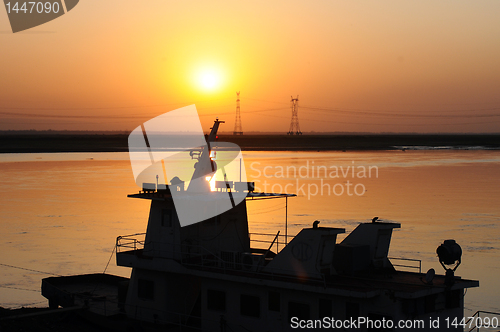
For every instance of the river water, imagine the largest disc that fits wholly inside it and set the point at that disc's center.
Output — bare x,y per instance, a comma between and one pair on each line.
61,213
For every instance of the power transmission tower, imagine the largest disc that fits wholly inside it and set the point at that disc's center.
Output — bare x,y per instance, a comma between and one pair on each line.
294,125
237,123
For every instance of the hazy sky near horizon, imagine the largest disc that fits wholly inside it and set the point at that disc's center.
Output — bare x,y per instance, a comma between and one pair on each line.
364,66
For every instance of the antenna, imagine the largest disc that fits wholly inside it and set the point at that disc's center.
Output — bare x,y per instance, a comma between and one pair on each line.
237,123
294,125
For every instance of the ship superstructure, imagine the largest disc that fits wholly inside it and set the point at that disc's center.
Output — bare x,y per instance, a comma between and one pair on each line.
214,275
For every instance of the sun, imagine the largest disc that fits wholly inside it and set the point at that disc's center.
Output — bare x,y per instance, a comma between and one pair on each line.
209,79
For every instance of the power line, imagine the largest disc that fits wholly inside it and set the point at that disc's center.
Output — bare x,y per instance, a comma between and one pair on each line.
385,124
110,107
377,113
113,117
307,109
267,101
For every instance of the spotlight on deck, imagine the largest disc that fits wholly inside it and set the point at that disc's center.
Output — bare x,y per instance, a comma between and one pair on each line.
450,257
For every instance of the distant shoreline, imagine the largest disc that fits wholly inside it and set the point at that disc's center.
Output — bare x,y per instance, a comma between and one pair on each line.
33,143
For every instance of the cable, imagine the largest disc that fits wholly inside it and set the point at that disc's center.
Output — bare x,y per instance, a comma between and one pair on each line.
109,260
104,272
18,288
114,117
267,207
37,271
376,113
266,101
247,112
276,209
304,109
110,107
385,124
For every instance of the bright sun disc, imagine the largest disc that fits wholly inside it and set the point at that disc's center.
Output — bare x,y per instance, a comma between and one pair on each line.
209,80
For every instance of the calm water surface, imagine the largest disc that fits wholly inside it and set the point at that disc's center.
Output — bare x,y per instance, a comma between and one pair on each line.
61,213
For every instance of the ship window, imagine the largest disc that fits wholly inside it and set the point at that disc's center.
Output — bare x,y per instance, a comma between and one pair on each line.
299,310
274,301
166,217
250,305
145,289
325,308
216,300
351,310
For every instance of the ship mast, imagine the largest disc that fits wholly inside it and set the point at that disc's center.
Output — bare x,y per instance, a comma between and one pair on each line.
204,167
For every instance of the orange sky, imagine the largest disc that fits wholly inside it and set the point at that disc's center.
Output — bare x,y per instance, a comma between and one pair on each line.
384,66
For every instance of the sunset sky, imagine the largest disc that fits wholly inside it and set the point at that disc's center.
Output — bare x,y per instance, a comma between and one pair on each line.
357,66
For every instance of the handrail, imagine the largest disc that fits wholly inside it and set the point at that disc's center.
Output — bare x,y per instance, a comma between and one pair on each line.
126,241
477,313
257,238
419,267
198,256
268,234
209,258
272,243
263,258
131,241
135,245
205,259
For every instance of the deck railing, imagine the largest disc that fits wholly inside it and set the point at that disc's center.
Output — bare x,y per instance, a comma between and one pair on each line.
489,321
257,241
275,242
197,256
130,242
417,263
264,247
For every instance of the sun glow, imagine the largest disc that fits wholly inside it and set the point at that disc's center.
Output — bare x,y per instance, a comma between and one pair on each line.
209,79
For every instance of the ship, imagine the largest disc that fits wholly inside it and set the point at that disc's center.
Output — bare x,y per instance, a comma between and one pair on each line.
214,275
